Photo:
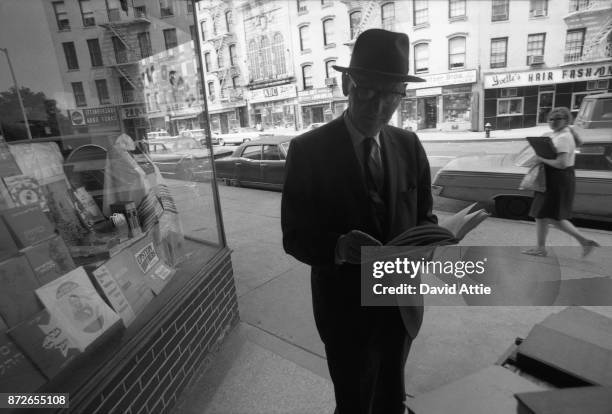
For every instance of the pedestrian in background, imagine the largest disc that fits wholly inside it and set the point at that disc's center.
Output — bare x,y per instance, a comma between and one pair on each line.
554,206
357,181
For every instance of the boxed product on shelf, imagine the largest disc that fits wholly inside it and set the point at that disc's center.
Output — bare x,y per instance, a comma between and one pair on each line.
18,283
49,259
25,190
46,342
157,272
129,211
28,225
77,306
17,373
8,247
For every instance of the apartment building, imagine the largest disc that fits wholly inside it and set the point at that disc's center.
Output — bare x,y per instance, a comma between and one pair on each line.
128,61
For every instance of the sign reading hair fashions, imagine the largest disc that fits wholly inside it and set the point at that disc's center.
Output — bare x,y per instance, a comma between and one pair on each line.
548,76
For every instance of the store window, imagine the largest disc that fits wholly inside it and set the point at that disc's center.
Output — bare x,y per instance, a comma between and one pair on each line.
457,104
328,32
456,52
71,57
421,58
574,43
421,12
87,13
499,52
387,16
354,22
538,8
61,16
509,106
456,9
535,47
307,77
304,39
500,10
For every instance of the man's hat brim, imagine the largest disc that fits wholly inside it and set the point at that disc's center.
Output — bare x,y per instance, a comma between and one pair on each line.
387,75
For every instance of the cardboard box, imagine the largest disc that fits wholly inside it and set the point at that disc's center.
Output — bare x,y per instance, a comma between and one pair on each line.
591,400
488,391
17,298
17,373
49,259
45,342
574,341
28,225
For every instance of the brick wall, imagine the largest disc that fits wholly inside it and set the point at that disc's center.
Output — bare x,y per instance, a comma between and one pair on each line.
151,381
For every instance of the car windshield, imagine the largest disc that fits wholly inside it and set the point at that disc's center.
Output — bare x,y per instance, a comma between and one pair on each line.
524,156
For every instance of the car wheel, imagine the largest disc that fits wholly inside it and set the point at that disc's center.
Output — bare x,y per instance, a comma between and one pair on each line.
512,207
221,142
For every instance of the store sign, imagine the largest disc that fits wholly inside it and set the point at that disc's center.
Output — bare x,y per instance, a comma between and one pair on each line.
273,93
130,112
429,91
550,76
444,79
104,116
315,95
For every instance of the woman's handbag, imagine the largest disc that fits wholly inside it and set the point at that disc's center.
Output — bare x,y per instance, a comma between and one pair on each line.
535,179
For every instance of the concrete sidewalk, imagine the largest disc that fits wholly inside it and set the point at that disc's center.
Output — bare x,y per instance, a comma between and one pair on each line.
469,136
274,362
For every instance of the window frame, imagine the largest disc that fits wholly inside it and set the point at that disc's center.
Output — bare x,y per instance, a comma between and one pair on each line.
105,94
420,12
58,13
90,12
304,40
504,62
166,9
530,51
387,22
229,22
302,8
353,29
418,69
519,98
142,47
211,90
72,60
572,57
499,4
233,54
97,60
464,53
329,71
76,94
207,62
203,29
533,9
328,25
307,82
452,3
166,44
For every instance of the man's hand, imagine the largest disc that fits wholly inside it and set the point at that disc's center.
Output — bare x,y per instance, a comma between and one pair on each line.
348,247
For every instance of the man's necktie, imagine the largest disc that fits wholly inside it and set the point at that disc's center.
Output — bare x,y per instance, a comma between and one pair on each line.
373,165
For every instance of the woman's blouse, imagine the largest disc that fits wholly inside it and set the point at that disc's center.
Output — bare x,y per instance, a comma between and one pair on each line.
563,141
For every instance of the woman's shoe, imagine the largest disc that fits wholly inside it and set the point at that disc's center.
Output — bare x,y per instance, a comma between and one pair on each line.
588,246
536,251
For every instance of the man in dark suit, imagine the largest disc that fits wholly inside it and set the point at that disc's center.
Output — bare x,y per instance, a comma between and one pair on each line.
355,182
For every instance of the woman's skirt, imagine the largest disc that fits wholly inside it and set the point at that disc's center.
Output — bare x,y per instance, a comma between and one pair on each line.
556,202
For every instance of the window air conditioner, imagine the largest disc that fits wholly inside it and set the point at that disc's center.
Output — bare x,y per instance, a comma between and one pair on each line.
331,82
535,60
539,13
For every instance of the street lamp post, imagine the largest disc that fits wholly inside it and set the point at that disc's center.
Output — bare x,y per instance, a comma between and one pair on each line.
25,117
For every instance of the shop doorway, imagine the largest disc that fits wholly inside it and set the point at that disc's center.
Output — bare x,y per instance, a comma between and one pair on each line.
317,114
224,123
546,102
427,112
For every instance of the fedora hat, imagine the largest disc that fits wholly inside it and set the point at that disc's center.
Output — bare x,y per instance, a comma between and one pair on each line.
382,54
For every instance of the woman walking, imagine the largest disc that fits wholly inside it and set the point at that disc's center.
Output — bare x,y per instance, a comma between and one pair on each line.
554,206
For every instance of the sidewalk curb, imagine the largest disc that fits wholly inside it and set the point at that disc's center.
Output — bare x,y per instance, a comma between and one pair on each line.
464,140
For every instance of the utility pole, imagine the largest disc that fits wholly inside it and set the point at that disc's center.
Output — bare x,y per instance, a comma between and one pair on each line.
25,117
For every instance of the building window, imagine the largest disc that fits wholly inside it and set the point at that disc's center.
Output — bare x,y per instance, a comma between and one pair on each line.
307,76
538,8
500,10
499,52
301,6
354,21
328,31
278,54
170,38
253,60
144,43
421,12
192,32
535,46
229,20
113,10
207,64
509,106
120,49
387,16
235,82
421,58
102,89
204,30
220,59
304,39
456,8
61,16
79,94
233,55
165,8
71,56
578,5
94,52
574,42
456,52
211,91
87,13
189,6
329,71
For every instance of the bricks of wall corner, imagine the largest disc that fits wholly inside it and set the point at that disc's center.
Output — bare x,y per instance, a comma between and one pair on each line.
151,382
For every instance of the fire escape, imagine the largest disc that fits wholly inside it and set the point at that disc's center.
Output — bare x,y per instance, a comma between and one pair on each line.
368,9
123,48
595,17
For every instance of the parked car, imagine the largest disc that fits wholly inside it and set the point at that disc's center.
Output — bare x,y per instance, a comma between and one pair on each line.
183,158
236,138
158,135
259,163
594,119
496,178
200,135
